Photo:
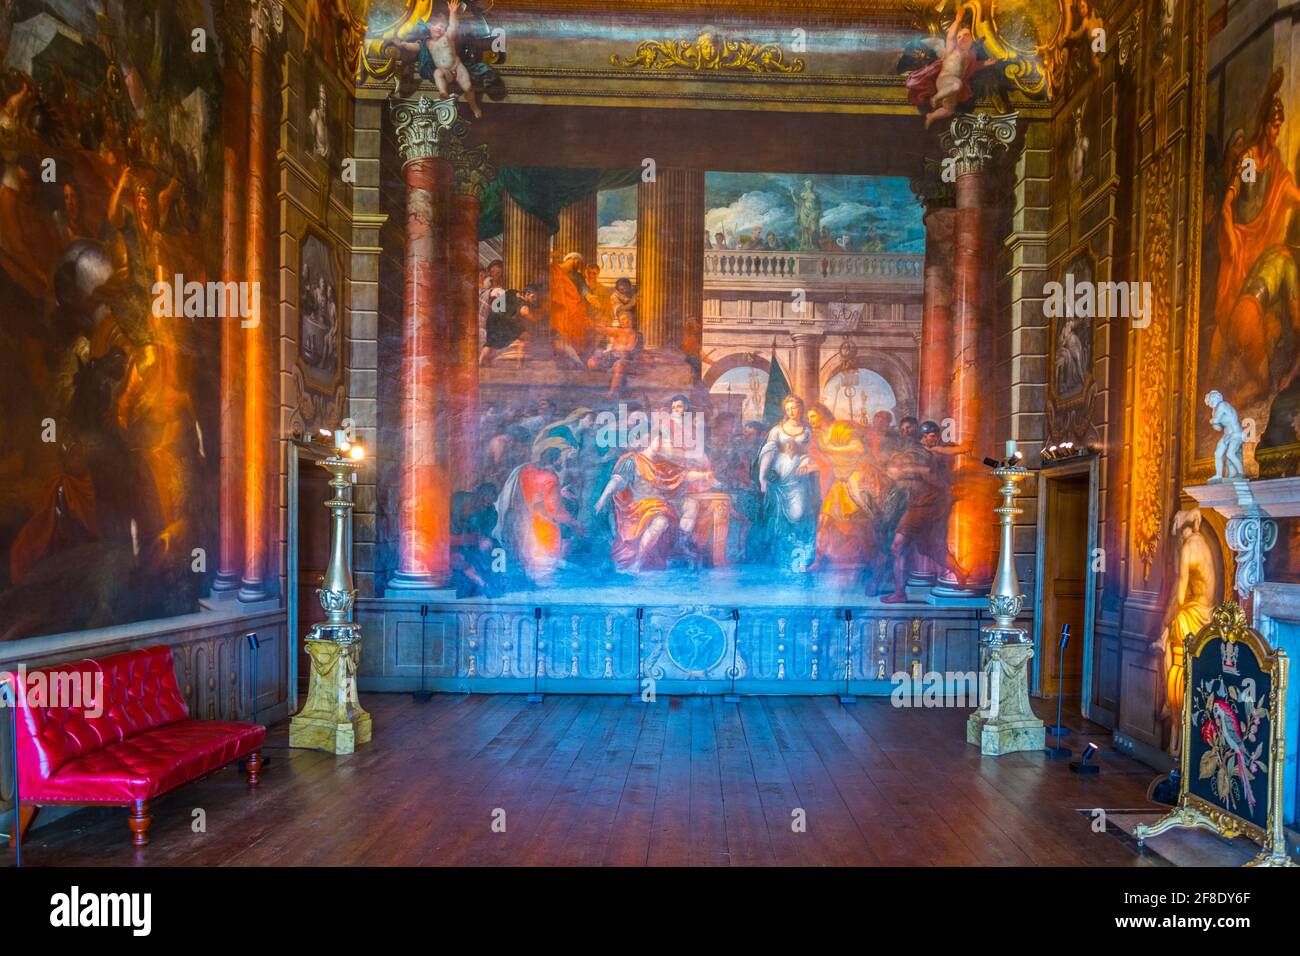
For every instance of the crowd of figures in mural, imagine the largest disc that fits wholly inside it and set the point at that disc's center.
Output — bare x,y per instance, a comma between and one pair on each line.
598,492
110,424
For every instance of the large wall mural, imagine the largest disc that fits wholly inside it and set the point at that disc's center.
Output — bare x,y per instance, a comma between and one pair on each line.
1250,302
110,183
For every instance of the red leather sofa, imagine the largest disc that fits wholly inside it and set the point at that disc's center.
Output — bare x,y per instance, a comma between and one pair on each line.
141,743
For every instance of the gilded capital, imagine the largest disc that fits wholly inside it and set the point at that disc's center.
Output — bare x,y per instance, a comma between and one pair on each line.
972,139
424,127
265,16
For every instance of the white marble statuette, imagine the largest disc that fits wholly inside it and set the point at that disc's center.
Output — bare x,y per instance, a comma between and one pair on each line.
1228,462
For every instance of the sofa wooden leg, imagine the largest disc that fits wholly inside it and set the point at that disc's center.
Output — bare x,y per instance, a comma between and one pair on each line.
139,822
26,814
254,768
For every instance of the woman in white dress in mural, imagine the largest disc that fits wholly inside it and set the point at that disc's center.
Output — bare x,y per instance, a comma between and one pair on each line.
787,476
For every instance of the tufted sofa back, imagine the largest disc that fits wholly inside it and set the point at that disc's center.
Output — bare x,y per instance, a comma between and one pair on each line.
139,692
141,689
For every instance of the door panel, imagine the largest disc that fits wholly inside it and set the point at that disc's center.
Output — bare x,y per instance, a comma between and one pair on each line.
1065,566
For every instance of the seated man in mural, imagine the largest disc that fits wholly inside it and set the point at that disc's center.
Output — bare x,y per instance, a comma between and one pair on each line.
918,469
678,438
654,515
618,353
531,517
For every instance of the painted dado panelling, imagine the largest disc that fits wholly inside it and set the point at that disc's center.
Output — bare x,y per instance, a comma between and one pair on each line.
214,665
485,646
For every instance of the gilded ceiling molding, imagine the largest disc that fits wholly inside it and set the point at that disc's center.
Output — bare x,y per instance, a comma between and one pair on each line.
709,52
1020,61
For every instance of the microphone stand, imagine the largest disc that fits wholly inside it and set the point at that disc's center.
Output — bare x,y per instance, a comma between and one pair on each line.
1058,731
536,696
846,697
423,695
640,664
733,697
9,699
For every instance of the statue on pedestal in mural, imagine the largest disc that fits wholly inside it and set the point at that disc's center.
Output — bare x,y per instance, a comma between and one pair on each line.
808,214
1228,462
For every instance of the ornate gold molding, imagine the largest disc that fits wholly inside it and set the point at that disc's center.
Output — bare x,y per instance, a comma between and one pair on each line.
709,52
1150,418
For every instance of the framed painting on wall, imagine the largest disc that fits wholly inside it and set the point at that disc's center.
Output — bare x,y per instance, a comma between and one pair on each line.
320,312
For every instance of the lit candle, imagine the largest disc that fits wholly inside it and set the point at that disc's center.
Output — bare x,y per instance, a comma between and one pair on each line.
340,440
1011,448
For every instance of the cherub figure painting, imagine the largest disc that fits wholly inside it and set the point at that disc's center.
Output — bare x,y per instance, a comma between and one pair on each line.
433,46
945,83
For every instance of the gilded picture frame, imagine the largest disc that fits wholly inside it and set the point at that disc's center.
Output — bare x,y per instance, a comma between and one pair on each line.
1228,724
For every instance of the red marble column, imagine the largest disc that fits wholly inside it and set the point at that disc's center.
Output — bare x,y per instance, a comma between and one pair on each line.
462,255
424,502
972,528
423,555
266,15
234,127
935,398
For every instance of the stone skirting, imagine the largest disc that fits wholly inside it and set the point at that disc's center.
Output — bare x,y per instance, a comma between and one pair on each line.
476,645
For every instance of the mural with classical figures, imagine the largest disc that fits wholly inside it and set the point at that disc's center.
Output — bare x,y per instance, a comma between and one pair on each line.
110,181
604,462
1250,304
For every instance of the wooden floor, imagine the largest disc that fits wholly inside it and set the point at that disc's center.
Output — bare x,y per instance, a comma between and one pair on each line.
606,780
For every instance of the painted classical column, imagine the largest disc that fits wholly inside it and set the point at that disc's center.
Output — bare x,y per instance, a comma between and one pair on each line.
670,258
424,499
472,173
578,229
971,142
526,245
807,366
234,184
264,16
935,392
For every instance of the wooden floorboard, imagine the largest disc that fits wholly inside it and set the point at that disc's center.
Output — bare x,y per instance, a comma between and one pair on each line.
684,781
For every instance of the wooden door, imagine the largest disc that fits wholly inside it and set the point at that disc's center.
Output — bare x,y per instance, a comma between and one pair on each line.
1065,571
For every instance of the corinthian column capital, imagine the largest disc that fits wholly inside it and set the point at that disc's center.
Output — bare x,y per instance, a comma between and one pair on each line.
265,16
424,127
972,139
471,165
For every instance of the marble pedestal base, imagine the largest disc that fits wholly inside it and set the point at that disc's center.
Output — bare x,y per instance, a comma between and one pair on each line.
1005,723
332,719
